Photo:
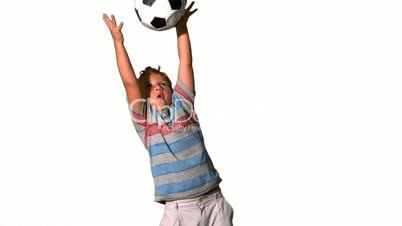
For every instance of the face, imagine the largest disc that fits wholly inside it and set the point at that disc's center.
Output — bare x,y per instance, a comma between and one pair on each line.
158,91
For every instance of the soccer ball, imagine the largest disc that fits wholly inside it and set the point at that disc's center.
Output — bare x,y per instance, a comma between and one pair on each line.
159,15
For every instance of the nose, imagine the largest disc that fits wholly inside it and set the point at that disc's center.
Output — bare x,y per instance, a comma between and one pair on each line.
158,87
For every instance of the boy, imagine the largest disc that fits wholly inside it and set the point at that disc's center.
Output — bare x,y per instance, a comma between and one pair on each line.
184,177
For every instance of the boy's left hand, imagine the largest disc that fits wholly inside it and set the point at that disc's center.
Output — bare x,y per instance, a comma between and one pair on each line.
183,20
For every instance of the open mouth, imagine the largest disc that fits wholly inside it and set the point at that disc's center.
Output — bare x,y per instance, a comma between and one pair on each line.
160,96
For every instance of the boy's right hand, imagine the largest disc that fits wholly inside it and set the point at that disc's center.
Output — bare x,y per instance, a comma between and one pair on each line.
115,30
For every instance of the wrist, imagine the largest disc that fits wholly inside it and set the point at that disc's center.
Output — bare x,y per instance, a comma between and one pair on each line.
118,42
180,29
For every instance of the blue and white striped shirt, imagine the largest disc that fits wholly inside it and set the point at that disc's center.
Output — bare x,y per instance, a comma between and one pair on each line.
180,164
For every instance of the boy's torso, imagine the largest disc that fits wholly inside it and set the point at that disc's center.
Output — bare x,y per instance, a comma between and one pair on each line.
180,164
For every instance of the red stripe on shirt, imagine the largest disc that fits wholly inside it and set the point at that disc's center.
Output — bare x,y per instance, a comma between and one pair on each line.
139,119
179,90
182,122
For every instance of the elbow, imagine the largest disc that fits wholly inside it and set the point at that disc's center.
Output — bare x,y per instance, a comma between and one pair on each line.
131,85
186,65
187,62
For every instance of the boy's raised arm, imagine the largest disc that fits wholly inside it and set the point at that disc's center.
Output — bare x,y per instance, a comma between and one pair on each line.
186,74
126,71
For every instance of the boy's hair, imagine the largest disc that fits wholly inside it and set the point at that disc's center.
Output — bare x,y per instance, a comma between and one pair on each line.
144,76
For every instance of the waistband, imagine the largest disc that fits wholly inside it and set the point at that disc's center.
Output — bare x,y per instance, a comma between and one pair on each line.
199,200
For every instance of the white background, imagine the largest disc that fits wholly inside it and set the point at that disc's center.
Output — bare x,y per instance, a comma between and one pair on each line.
299,102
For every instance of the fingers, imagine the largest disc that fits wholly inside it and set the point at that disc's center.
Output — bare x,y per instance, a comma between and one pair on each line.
113,20
111,23
120,25
192,12
190,6
107,20
188,10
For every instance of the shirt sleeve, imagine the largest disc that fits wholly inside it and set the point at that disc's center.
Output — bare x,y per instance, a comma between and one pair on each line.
138,117
183,97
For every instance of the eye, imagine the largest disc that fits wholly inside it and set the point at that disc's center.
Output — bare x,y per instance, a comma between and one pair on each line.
163,84
147,86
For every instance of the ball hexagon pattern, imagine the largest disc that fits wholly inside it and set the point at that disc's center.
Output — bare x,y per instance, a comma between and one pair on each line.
159,15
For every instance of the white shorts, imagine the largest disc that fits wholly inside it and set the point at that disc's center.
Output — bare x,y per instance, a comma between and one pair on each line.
208,210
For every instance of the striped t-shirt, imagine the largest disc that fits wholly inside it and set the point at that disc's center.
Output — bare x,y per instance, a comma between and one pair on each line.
180,164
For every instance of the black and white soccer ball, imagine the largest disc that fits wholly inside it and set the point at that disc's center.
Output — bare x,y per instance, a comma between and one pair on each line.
159,15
